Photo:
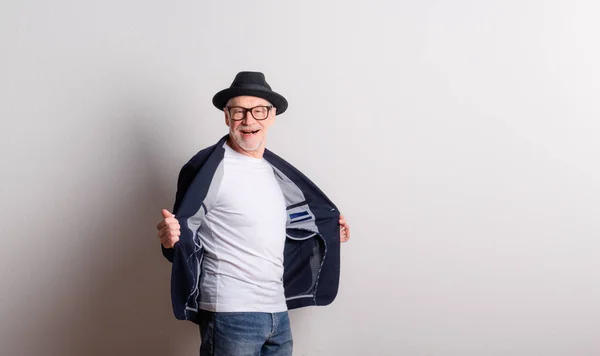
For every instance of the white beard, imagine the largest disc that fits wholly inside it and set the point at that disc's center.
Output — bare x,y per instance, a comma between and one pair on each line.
244,145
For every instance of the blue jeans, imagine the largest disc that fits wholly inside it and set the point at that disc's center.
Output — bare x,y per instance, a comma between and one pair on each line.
245,334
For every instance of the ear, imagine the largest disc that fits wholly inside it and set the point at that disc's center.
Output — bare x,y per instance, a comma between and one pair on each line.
226,117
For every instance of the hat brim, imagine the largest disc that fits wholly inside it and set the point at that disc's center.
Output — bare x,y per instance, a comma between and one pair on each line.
221,98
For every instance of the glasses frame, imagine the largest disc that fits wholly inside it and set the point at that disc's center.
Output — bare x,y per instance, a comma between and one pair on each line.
268,107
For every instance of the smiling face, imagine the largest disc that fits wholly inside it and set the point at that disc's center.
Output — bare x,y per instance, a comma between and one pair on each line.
248,135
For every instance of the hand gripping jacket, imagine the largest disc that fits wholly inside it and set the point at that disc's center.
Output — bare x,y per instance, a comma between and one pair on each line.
312,247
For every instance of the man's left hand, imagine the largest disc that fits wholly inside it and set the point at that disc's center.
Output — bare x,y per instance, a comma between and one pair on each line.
344,230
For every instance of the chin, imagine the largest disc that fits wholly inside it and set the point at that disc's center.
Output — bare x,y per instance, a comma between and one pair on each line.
248,145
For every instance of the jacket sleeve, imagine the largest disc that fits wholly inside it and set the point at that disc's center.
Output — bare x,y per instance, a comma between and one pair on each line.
186,176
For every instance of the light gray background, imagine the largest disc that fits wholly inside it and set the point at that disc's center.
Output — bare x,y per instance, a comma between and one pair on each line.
460,139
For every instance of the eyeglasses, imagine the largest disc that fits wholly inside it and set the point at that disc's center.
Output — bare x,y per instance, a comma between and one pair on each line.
238,113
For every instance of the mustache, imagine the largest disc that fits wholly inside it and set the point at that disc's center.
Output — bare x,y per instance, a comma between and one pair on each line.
249,128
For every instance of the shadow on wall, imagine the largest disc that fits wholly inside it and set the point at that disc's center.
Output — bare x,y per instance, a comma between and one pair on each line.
130,305
116,300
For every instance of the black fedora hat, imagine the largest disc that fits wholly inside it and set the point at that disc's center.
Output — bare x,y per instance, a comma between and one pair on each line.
251,84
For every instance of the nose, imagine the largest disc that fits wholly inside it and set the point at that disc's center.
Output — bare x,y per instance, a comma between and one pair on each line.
248,118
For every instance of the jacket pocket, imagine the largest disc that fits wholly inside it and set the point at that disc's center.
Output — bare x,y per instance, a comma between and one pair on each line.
303,257
300,222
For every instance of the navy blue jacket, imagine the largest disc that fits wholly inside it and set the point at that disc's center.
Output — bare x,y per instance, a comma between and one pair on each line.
312,247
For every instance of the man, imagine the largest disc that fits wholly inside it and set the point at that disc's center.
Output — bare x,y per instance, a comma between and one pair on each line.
251,236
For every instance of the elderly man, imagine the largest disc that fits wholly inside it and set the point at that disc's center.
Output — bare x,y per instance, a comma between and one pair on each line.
251,237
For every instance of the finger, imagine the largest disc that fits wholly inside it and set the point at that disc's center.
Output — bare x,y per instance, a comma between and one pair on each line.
167,232
174,232
171,221
167,221
345,233
171,226
167,214
163,234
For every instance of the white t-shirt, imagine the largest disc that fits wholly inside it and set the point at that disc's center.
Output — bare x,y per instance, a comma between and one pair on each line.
243,237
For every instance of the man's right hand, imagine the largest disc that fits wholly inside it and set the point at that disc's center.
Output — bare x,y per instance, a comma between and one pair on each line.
168,229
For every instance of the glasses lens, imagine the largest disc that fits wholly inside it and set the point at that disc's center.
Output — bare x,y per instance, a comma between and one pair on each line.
260,112
237,113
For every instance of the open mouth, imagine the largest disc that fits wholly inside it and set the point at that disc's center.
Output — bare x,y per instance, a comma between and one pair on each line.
249,132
